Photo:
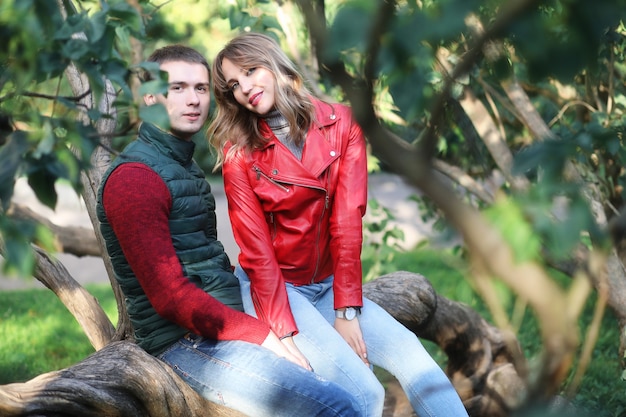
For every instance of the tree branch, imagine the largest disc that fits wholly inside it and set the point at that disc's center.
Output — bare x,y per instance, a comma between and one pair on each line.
75,240
83,306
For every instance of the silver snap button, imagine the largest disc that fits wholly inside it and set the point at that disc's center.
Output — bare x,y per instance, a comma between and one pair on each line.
274,171
332,116
332,153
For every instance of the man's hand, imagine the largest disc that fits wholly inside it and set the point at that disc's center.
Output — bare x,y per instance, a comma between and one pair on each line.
293,349
283,349
351,332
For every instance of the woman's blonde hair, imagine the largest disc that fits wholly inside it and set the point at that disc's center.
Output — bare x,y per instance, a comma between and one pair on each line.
234,123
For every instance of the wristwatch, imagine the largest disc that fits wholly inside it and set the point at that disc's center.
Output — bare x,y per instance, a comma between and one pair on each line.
349,313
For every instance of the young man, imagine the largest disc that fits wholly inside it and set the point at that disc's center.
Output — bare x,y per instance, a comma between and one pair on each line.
157,217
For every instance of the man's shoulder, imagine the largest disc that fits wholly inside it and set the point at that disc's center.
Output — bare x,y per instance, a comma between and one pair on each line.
135,173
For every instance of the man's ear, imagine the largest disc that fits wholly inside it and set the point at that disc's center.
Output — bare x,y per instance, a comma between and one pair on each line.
149,99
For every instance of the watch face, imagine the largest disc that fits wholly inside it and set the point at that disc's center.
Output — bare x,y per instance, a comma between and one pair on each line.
350,313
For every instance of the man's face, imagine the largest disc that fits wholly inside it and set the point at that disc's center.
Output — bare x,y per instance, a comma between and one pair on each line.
188,97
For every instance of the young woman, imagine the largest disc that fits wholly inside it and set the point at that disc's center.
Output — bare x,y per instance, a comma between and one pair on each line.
295,177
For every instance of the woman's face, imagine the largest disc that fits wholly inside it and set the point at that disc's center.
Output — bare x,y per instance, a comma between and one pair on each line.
253,88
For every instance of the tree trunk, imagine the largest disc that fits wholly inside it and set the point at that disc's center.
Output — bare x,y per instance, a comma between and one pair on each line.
76,240
83,306
121,379
480,356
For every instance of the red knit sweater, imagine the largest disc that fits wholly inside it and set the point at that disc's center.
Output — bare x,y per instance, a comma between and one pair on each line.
137,204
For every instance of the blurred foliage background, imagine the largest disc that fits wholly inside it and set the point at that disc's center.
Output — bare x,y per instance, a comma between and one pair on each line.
517,106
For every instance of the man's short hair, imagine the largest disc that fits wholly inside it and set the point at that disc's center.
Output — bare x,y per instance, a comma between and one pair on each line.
175,52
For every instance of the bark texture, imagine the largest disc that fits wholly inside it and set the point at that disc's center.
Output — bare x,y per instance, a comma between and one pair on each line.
119,380
481,358
77,240
122,380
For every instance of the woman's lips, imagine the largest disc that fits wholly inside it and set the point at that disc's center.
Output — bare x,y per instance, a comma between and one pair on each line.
254,100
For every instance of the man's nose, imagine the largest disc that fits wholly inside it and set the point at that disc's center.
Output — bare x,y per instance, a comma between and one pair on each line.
193,96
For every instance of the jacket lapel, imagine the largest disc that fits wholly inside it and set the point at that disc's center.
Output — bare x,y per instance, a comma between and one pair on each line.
320,151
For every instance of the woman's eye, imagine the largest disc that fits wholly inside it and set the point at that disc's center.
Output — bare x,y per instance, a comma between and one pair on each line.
250,71
234,86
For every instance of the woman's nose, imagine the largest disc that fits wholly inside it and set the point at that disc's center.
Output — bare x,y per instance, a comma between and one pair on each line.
245,86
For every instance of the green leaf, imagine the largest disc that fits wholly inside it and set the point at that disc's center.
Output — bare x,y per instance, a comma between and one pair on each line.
349,30
97,25
43,186
17,235
11,154
159,82
155,114
117,72
19,258
509,219
124,14
75,49
45,239
46,143
74,24
50,64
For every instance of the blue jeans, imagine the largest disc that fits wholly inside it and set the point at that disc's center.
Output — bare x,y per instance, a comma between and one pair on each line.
253,380
390,346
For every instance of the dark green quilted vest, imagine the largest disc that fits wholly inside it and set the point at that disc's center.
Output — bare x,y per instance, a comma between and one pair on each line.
194,234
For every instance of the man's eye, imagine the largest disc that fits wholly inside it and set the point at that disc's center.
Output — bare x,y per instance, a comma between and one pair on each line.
202,89
176,88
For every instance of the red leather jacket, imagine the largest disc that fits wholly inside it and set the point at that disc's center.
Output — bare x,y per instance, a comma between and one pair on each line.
301,221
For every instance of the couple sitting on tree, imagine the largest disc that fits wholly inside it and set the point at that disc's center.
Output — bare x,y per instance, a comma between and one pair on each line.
287,332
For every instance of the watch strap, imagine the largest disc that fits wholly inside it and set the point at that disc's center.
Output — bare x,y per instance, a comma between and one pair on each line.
342,313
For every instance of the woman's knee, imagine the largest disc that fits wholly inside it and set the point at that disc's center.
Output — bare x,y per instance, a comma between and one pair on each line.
370,393
376,391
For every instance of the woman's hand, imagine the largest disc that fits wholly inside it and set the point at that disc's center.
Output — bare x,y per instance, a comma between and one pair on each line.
283,349
351,332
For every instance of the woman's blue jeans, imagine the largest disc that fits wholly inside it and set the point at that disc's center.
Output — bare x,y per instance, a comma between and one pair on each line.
390,346
253,380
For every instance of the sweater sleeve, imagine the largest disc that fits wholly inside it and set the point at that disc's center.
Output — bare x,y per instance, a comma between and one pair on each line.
137,204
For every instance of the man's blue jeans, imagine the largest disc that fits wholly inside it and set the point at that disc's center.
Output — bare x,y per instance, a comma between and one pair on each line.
390,346
253,380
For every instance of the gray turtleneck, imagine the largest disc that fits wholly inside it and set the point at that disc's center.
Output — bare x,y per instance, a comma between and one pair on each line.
280,126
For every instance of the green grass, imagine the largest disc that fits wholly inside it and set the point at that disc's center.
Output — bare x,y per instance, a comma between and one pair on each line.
602,392
37,333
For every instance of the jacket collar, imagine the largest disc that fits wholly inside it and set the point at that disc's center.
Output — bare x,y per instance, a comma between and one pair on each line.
325,113
324,116
318,153
178,149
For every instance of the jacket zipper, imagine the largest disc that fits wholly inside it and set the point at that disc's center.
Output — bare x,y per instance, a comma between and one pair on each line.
260,174
319,224
317,246
273,226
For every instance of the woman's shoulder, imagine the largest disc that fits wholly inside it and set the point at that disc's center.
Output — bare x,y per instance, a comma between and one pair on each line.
328,111
238,155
